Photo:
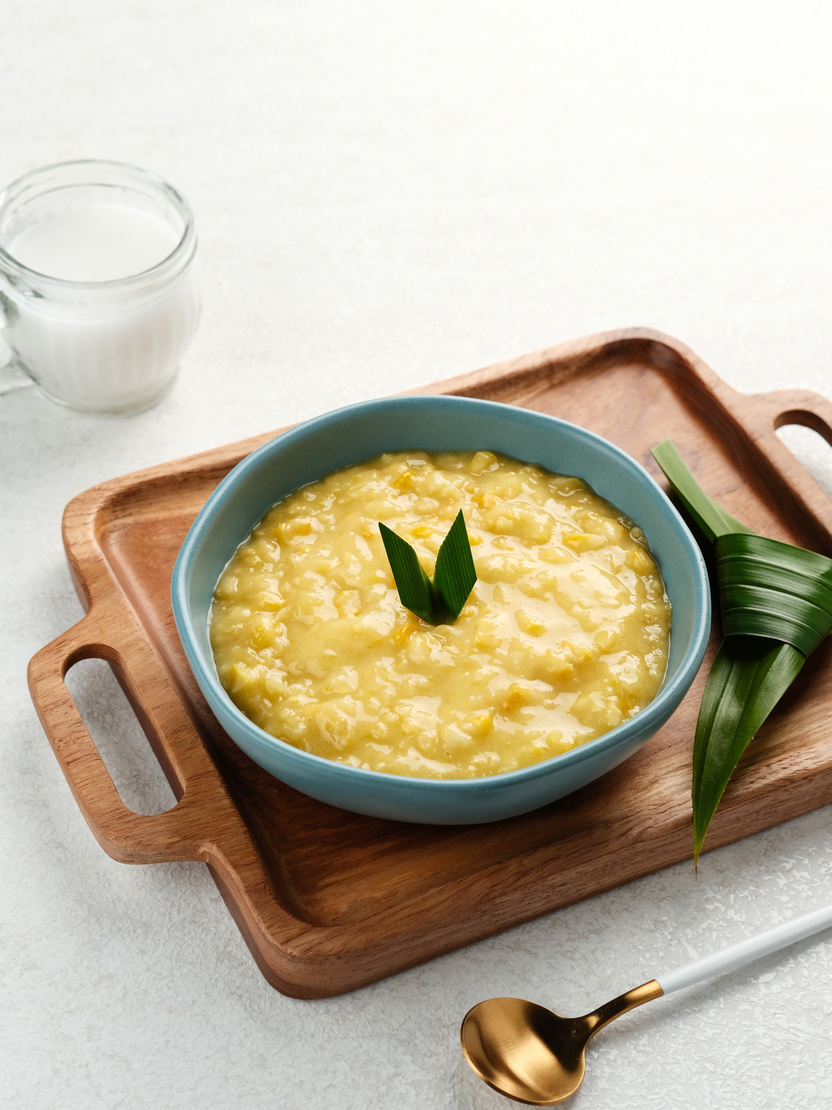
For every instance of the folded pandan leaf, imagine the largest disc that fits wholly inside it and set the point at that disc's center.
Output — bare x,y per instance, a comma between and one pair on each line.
442,600
776,606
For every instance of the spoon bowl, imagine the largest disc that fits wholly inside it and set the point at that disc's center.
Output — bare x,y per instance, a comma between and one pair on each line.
524,1050
532,1054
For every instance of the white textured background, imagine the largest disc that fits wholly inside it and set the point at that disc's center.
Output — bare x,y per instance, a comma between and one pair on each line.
387,194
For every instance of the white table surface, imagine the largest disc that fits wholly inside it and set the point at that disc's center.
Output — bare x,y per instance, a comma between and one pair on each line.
387,194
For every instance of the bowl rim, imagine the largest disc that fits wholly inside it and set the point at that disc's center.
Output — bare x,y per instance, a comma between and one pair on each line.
648,719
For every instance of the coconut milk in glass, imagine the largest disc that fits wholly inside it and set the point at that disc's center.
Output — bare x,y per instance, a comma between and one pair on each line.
98,288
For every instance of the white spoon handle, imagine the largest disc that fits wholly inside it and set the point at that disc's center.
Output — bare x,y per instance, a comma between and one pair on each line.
746,951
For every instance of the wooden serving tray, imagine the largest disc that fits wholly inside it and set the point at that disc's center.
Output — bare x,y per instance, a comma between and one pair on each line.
329,901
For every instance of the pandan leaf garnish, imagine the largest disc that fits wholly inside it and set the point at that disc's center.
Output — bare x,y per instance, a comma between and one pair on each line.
439,601
776,605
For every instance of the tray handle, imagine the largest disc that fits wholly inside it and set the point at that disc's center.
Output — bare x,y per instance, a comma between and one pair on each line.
127,836
769,412
793,406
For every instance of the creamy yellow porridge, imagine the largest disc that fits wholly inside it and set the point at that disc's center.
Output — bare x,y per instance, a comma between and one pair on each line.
564,636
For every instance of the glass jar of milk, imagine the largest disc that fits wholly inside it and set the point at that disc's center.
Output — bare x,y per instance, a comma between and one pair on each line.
99,296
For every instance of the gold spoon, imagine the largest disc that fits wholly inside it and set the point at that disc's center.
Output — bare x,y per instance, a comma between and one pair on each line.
536,1056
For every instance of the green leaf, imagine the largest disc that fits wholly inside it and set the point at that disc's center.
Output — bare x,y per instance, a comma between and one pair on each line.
769,588
747,679
776,607
455,575
414,586
710,517
442,600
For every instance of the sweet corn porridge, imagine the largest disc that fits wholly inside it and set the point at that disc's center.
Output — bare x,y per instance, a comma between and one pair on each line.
564,636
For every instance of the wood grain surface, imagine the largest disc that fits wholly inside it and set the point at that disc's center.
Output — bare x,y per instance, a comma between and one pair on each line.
329,901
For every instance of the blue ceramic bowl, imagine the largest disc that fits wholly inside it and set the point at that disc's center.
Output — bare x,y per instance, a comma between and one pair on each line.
314,449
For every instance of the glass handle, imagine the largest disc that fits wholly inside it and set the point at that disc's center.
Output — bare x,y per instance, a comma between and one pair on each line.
12,374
